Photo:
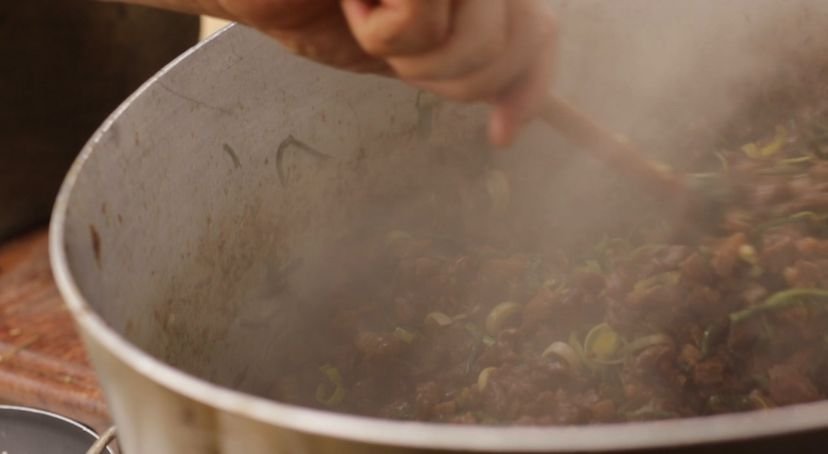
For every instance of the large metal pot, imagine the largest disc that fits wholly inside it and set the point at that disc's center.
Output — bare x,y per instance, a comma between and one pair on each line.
235,176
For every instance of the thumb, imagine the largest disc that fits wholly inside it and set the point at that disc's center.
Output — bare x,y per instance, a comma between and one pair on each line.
398,27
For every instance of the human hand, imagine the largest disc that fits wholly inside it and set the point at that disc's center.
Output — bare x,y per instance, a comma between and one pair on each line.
496,51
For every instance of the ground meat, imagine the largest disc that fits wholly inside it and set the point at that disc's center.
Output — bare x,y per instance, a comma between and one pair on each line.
807,274
603,411
769,193
709,372
668,258
377,345
778,252
726,256
702,299
541,308
690,356
697,270
427,395
656,364
480,330
811,247
788,385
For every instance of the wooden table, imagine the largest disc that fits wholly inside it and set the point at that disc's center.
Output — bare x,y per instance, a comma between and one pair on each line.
42,360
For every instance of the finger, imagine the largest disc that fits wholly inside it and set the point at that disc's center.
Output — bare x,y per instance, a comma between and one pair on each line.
521,102
504,69
398,27
518,104
477,36
483,85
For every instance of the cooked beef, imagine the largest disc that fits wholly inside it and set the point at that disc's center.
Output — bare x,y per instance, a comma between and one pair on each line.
732,320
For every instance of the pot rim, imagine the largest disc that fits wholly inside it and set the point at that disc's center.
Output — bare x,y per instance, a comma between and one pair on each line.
52,416
596,438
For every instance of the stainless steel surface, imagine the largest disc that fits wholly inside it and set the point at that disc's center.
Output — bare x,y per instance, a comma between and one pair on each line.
28,430
199,192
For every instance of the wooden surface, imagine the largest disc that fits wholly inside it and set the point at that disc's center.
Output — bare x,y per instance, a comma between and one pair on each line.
42,361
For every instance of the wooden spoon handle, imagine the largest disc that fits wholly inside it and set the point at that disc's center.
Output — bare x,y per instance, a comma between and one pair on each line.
603,145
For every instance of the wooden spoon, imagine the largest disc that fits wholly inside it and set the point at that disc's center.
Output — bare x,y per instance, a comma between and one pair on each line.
605,146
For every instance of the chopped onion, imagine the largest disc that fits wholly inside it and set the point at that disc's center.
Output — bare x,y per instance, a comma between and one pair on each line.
775,146
497,185
404,335
335,379
499,315
665,278
483,377
565,352
647,341
758,401
748,254
438,318
602,342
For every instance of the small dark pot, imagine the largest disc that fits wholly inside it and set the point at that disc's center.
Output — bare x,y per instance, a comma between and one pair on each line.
26,430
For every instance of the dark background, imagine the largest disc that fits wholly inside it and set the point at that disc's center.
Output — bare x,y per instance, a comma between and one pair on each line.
64,66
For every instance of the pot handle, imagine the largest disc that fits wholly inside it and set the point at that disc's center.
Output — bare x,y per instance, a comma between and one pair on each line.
100,446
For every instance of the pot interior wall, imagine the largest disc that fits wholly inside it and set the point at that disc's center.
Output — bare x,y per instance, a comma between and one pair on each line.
244,182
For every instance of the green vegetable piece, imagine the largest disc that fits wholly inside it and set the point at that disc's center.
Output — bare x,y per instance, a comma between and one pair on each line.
796,161
775,146
758,401
576,345
404,335
780,300
335,397
498,187
602,343
713,334
565,352
723,161
591,266
500,315
475,332
802,216
478,335
483,377
658,280
438,318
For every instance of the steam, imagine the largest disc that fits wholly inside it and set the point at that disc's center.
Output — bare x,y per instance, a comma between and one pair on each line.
658,71
649,67
673,76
